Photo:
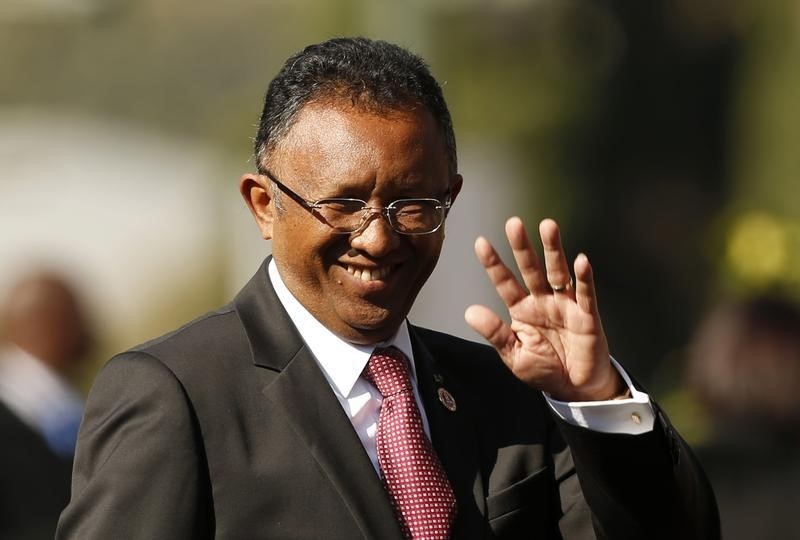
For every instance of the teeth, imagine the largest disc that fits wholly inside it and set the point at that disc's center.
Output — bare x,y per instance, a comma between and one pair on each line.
366,274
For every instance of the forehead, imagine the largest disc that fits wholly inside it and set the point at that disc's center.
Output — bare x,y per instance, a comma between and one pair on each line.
334,141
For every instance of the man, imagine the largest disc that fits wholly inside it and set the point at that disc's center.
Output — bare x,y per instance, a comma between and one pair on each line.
44,338
306,408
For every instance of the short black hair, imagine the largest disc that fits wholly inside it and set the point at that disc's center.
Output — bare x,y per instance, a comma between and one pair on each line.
373,74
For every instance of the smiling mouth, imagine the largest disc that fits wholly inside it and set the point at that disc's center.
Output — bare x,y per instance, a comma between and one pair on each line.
369,274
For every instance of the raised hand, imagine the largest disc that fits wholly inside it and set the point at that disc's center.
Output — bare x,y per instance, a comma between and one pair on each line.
555,340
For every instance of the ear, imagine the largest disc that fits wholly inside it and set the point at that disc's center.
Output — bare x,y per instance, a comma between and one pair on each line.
455,187
256,193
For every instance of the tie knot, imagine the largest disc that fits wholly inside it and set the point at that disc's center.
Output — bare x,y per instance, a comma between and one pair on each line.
388,371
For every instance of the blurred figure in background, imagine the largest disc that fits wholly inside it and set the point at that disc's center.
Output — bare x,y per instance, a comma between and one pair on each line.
746,370
43,338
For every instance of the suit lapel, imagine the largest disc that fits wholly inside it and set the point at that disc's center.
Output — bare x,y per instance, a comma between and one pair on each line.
455,439
301,394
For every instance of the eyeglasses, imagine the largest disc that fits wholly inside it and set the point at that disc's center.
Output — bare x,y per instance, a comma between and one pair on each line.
344,216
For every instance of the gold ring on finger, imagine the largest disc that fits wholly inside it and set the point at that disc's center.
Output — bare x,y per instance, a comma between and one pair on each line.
562,288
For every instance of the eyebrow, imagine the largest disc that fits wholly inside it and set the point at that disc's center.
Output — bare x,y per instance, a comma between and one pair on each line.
352,189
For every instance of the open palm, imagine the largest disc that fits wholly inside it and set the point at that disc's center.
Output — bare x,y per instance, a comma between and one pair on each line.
554,341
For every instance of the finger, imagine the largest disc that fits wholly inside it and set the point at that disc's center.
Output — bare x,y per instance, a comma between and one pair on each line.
486,322
530,267
585,293
556,262
506,285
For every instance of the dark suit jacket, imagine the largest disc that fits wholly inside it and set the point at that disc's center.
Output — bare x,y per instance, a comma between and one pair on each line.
227,428
34,482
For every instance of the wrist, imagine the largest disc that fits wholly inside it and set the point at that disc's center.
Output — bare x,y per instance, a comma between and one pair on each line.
614,389
619,389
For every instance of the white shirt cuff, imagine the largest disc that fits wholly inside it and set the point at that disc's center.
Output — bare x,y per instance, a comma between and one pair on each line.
632,416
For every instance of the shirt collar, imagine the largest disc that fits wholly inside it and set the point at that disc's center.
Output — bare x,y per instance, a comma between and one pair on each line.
341,361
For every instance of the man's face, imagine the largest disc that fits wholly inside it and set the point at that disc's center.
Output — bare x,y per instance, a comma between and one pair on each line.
360,285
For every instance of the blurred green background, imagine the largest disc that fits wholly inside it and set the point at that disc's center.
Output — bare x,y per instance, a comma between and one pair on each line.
661,135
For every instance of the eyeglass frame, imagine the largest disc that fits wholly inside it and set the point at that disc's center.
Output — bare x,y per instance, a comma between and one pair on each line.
367,210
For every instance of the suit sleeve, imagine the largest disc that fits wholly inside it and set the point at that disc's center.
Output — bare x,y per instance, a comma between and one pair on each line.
139,468
647,486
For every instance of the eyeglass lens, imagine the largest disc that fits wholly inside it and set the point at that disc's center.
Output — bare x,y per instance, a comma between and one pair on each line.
407,216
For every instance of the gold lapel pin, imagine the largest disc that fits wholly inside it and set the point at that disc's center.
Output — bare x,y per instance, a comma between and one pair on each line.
447,399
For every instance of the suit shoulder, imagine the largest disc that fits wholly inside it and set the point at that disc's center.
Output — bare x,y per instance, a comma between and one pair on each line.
475,361
210,340
209,331
436,341
469,355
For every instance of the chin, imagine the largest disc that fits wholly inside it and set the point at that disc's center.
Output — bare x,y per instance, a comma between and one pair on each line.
374,325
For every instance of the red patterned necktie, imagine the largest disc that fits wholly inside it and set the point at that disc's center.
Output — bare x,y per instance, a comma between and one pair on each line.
412,473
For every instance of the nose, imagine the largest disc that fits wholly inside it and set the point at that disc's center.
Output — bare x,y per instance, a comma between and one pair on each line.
376,237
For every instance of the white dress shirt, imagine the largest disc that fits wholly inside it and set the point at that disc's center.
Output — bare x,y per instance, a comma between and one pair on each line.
342,363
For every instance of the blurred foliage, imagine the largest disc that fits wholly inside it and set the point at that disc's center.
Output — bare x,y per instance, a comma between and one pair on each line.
660,134
762,254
